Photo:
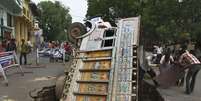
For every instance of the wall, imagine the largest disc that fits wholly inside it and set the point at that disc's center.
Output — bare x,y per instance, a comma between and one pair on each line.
4,28
24,24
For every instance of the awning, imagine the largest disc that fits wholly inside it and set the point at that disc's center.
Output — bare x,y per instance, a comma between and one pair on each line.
14,7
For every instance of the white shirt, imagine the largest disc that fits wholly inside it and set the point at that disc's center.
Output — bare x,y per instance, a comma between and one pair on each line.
162,61
159,50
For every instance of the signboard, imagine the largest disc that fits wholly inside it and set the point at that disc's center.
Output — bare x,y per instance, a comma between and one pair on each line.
127,38
8,59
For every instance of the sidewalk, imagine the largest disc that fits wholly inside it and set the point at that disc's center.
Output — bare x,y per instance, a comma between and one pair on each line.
19,86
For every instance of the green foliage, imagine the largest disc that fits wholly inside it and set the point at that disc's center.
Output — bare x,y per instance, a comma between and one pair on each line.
54,19
161,19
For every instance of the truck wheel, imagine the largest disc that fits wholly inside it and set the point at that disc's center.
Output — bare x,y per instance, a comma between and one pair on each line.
76,29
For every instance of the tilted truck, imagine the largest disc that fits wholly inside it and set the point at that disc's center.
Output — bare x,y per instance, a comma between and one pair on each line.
104,66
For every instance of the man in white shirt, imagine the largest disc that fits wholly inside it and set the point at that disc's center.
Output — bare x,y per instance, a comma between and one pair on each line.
159,51
144,63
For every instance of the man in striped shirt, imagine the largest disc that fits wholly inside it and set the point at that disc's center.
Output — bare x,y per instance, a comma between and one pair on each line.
185,60
188,58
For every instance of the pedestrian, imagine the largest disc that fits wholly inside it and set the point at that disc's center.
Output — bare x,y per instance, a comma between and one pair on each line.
144,63
166,61
11,46
50,44
30,46
67,48
23,52
4,45
159,51
46,44
185,59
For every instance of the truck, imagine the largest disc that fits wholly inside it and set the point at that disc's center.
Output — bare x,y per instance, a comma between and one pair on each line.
104,66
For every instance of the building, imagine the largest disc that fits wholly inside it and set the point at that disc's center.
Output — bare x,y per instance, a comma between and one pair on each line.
24,24
36,36
17,20
6,25
8,9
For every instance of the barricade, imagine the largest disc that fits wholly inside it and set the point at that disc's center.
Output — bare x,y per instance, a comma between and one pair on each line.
8,60
49,55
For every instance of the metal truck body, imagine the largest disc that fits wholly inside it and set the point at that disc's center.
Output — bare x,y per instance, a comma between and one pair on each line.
105,67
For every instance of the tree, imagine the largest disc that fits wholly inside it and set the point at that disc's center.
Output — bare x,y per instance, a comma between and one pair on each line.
161,19
109,10
54,20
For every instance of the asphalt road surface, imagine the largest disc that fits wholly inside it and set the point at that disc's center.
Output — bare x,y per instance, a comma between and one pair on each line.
34,78
177,93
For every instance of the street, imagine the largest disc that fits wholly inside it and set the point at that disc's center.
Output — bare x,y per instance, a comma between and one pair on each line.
35,78
106,43
177,93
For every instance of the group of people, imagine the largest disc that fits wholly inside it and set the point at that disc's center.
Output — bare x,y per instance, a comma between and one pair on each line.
56,44
10,45
26,47
187,60
56,50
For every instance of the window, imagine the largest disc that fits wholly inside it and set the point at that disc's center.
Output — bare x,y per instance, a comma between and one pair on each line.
109,33
108,43
109,38
9,20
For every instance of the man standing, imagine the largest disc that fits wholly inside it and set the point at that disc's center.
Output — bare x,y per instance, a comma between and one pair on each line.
159,51
188,59
23,52
11,46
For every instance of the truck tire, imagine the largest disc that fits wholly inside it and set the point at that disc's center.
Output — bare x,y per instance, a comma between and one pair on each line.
76,29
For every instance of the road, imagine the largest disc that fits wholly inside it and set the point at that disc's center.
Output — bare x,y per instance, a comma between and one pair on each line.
34,78
19,86
177,93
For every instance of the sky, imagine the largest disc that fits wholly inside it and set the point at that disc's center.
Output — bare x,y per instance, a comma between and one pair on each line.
78,8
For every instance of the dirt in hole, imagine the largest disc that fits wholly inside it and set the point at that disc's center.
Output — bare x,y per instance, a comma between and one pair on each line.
148,92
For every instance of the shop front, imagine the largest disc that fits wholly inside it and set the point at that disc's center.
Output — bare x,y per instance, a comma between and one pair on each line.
6,33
